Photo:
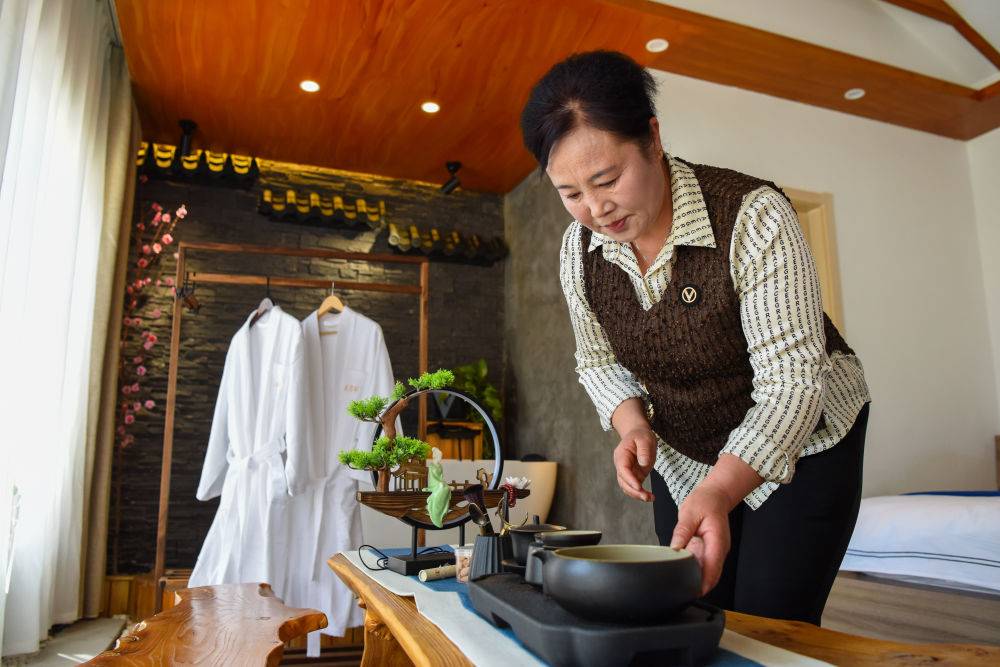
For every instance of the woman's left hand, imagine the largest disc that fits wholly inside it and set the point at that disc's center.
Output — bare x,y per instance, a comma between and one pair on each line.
703,529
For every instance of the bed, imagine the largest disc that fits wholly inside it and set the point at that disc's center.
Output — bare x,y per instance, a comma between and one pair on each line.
923,567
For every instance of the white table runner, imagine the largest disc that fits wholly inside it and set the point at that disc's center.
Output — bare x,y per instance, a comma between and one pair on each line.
487,646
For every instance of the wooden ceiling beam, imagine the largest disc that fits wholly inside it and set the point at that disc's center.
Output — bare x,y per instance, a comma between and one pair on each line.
988,92
939,10
979,42
983,116
733,54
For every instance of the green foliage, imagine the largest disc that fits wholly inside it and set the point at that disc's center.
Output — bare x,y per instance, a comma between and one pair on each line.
403,449
360,459
367,409
473,379
439,379
386,453
370,409
398,392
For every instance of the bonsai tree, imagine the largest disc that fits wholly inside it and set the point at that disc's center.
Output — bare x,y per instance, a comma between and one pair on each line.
391,450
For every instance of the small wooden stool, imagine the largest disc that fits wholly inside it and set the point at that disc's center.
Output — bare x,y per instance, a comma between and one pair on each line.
231,624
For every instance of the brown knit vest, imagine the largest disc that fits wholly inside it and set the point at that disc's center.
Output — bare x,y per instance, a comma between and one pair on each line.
692,359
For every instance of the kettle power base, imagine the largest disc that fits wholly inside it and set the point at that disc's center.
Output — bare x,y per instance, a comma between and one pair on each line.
563,638
409,565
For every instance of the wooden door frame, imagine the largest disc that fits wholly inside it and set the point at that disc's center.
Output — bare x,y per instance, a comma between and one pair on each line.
815,212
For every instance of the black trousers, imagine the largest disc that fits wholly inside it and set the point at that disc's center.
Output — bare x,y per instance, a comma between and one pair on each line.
785,555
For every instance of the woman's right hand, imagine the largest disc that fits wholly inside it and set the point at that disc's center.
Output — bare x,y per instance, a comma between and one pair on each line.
634,457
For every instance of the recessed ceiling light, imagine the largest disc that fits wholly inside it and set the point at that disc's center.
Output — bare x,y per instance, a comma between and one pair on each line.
854,94
657,45
431,107
309,86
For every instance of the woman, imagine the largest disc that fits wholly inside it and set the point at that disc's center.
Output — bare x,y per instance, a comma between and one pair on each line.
701,339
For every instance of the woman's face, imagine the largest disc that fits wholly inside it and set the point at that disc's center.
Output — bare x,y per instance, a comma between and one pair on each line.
609,185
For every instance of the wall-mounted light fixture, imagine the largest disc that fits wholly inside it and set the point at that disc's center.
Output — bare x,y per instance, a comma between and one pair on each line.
452,182
187,131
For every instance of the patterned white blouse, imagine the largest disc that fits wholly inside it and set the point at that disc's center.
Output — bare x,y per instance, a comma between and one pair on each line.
794,382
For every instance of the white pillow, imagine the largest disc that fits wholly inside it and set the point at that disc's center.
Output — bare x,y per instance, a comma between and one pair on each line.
952,539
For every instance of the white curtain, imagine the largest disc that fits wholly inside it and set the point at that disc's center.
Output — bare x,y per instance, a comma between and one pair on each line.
58,68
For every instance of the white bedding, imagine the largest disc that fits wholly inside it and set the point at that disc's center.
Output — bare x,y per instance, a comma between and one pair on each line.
953,541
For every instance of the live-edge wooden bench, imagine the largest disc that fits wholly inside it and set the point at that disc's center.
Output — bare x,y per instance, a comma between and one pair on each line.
232,624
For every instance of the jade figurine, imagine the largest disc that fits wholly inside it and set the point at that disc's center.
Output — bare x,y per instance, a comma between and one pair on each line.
440,493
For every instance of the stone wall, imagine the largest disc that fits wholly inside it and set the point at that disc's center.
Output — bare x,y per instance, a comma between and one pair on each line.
466,322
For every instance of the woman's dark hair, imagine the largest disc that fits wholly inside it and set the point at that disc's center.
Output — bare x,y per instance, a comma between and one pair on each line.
605,90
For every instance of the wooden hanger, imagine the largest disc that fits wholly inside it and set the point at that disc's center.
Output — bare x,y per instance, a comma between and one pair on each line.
266,304
331,303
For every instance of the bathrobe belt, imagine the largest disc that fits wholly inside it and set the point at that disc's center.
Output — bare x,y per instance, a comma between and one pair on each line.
241,471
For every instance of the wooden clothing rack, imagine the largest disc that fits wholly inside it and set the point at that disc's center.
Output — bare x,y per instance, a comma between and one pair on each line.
421,290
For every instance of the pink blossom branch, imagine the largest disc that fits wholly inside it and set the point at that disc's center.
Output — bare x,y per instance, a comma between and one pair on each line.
151,242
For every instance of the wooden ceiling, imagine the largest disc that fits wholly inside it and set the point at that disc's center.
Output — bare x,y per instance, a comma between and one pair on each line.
234,68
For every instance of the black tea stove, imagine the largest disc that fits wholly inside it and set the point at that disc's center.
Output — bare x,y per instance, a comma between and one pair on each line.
562,638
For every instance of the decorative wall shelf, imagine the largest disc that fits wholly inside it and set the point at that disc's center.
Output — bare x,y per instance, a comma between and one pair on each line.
447,245
202,166
318,208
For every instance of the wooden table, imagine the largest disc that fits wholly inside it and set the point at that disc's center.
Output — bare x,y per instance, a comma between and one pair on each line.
396,634
231,624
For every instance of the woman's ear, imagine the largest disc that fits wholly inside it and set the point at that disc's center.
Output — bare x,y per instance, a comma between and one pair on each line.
656,146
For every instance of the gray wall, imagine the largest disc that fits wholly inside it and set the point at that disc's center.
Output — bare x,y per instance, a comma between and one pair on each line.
552,414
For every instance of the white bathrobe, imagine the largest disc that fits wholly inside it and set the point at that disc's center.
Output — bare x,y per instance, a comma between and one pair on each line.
353,363
258,415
